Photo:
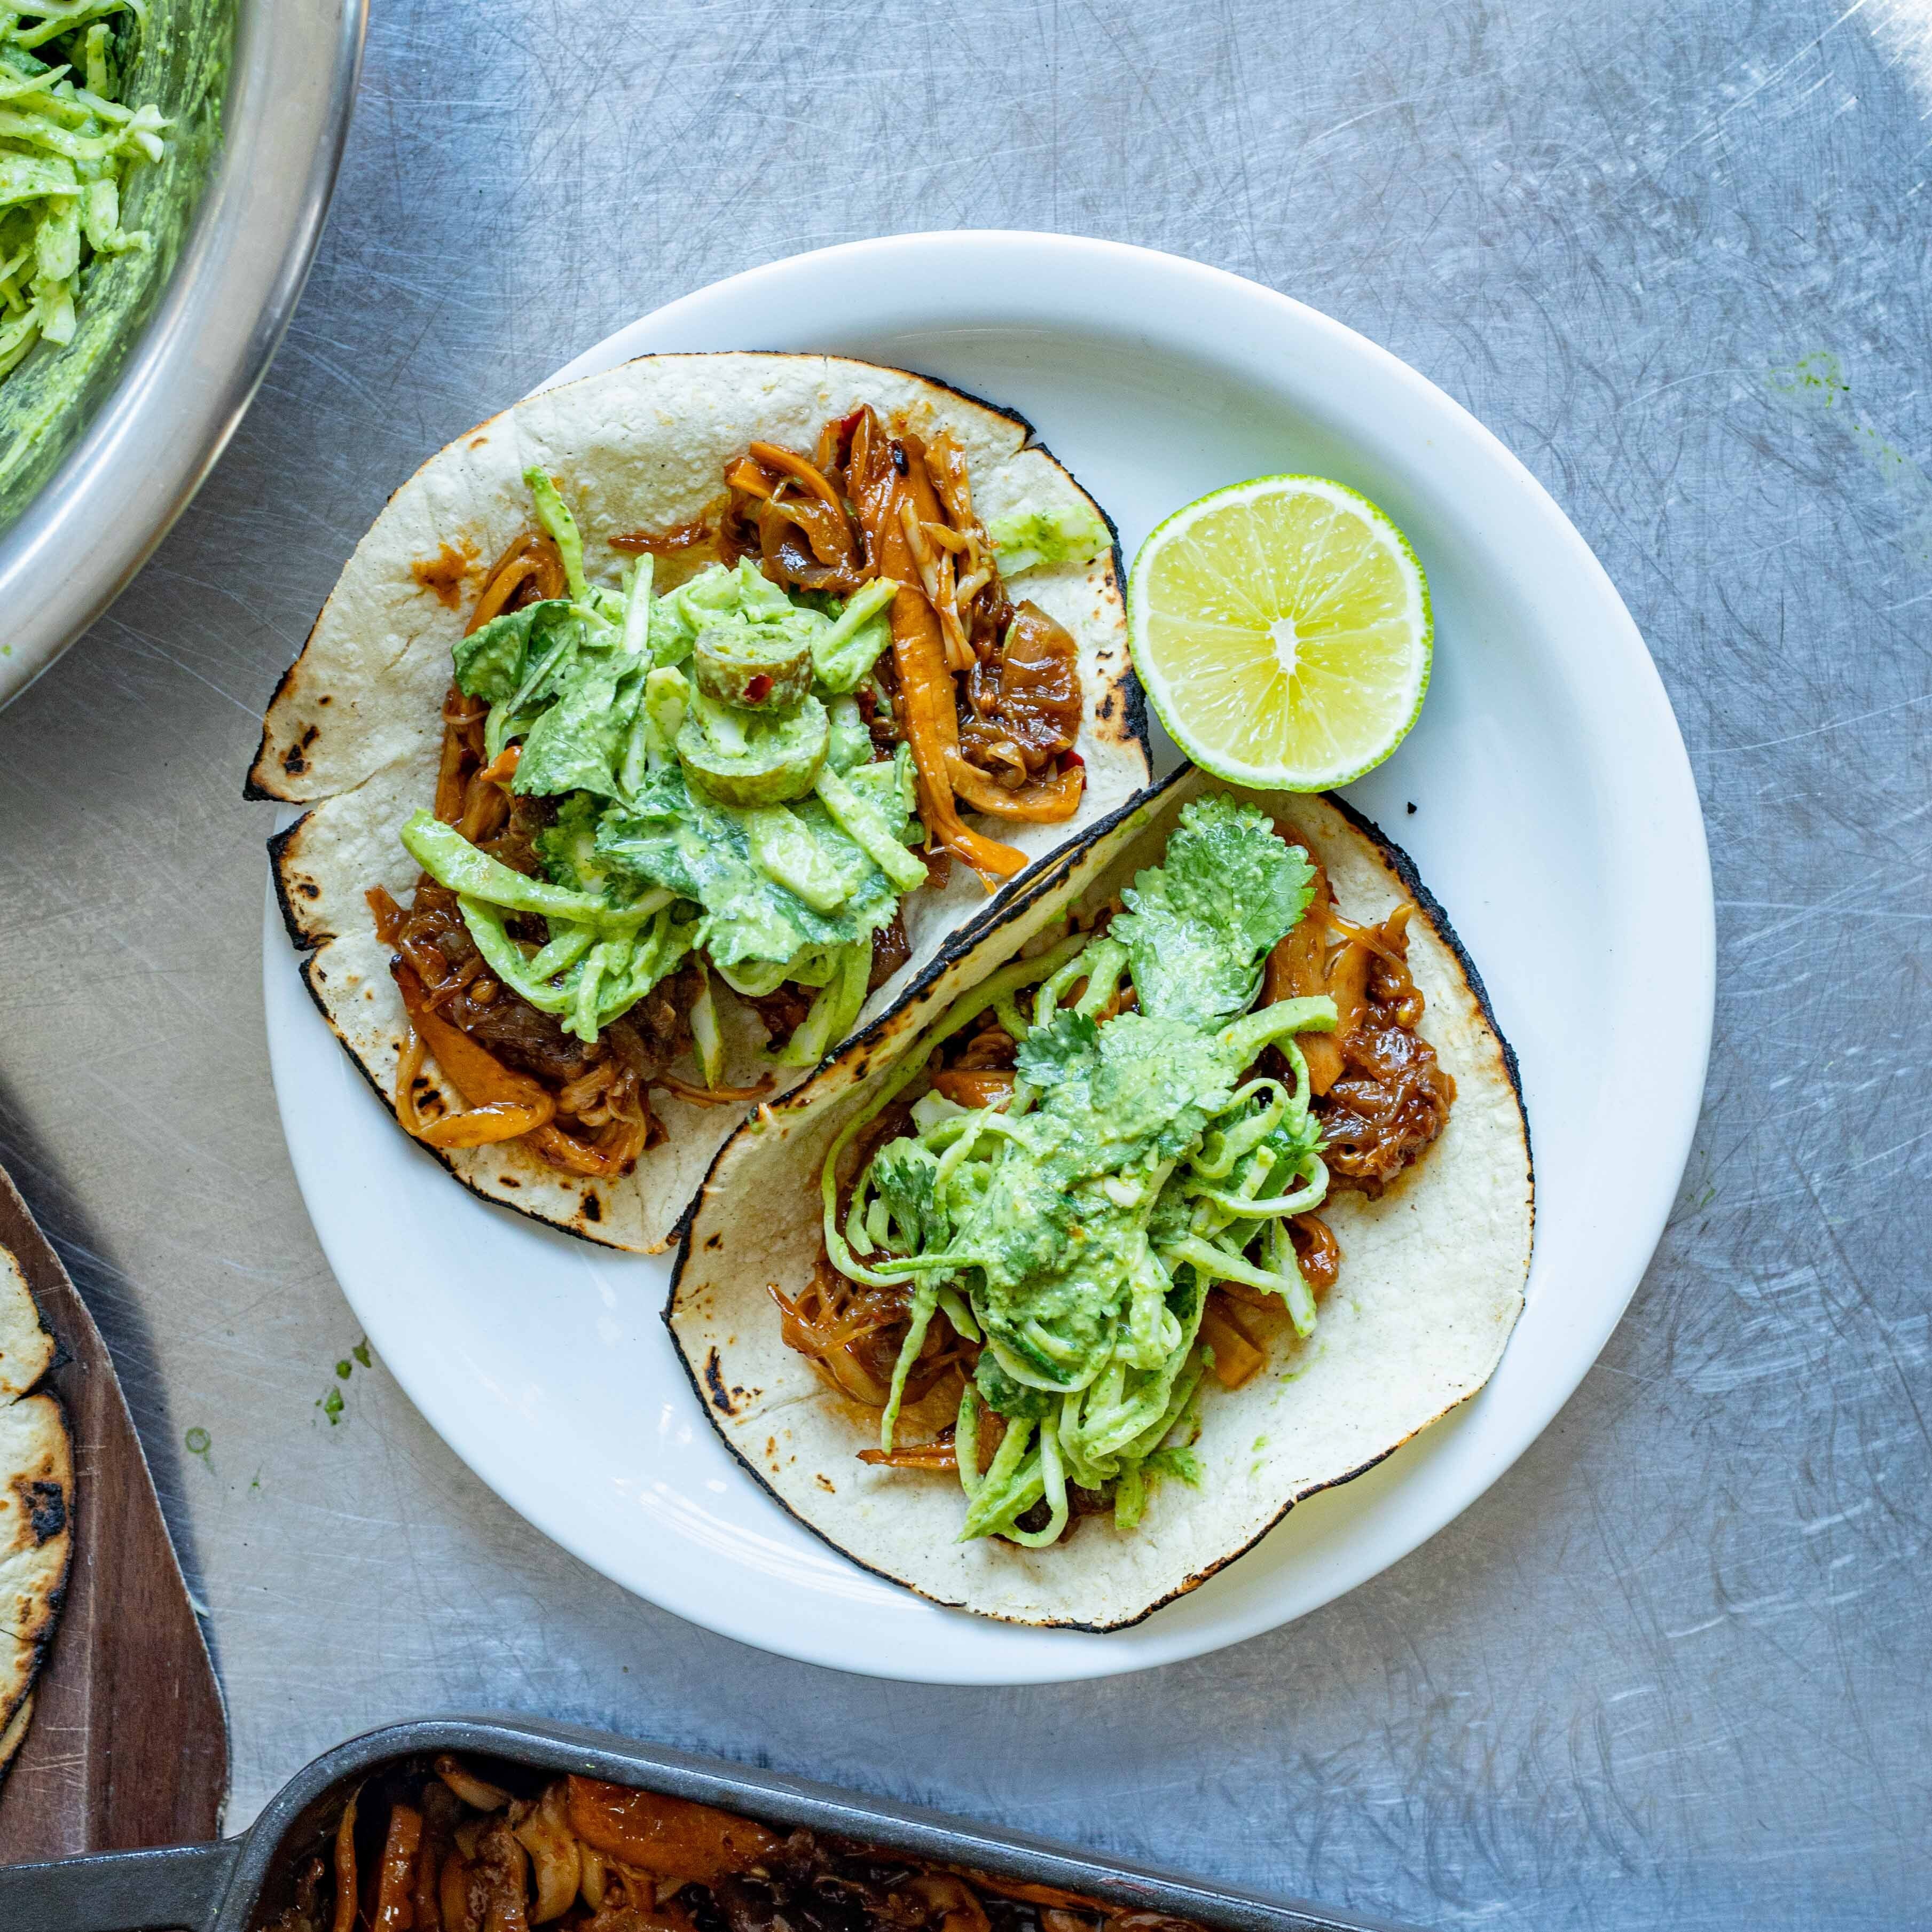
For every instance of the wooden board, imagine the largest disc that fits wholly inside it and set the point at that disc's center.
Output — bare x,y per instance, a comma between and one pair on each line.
128,1746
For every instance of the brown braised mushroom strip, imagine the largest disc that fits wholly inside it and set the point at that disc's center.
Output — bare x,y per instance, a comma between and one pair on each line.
938,1455
395,1877
1318,1251
499,1105
463,719
542,1827
851,1333
1025,701
499,1873
613,1153
949,1895
714,1096
440,1811
1391,1103
666,1838
946,464
346,1895
882,478
1237,1356
974,1087
822,1325
827,561
934,565
775,456
790,496
530,569
1049,1895
1376,1085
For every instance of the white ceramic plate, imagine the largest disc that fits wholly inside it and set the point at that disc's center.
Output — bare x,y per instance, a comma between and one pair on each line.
1552,812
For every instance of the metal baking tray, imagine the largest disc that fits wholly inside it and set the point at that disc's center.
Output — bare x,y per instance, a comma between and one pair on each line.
231,1885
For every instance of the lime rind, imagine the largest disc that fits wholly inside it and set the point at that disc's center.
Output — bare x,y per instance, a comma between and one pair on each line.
1387,538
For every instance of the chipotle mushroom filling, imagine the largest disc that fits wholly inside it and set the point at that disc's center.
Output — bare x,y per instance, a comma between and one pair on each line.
448,1849
1099,1181
884,681
1379,1092
986,694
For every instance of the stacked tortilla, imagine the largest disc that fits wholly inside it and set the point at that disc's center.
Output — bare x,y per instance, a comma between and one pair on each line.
36,1504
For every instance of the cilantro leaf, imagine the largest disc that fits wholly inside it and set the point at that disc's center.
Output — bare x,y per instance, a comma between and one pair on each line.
1059,1052
906,1176
1202,922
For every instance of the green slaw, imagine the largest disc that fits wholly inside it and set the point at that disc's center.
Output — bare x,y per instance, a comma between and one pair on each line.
1076,1230
68,142
705,807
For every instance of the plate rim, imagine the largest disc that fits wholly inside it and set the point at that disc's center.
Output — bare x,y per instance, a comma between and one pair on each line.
1042,1656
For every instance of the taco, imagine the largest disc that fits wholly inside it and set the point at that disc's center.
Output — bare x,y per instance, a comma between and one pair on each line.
1198,1184
663,726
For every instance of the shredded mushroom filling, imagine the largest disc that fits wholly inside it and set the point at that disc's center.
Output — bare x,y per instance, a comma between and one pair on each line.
447,1850
986,695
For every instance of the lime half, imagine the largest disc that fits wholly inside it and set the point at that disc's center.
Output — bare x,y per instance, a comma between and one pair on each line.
1282,630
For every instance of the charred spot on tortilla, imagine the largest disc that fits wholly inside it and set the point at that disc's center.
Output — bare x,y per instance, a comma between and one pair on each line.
1432,1231
593,1208
46,1504
714,1380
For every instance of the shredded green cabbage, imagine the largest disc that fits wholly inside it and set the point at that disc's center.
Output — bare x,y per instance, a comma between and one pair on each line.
67,143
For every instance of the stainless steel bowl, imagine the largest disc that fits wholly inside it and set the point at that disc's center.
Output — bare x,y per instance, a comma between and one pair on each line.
197,360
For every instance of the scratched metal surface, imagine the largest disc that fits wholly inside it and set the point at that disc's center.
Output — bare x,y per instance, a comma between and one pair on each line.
1673,1669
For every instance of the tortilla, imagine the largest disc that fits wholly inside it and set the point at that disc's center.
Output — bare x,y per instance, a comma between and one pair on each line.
36,1503
1431,1284
356,726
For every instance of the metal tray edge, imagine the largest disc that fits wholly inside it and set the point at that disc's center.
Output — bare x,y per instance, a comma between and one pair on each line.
771,1795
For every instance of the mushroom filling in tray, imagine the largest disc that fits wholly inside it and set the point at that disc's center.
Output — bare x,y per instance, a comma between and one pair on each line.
447,1849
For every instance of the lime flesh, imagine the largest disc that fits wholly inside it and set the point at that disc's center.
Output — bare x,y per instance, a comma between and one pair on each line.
1281,629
